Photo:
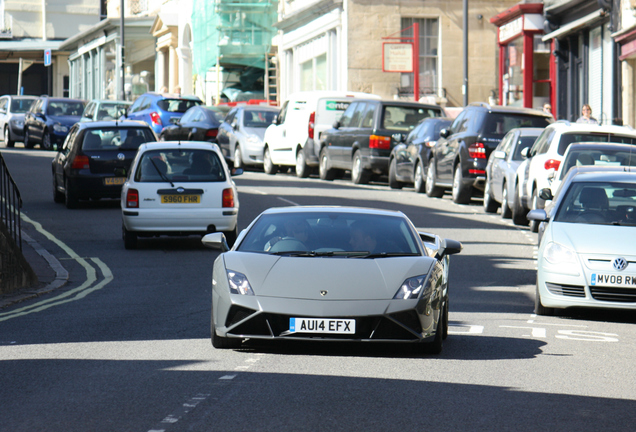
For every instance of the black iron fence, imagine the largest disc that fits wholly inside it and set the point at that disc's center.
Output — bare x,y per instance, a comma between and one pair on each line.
10,204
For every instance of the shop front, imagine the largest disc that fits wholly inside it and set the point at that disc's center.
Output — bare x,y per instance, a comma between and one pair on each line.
525,67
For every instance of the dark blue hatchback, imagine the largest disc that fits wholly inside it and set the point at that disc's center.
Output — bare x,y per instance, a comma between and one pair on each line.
49,119
160,110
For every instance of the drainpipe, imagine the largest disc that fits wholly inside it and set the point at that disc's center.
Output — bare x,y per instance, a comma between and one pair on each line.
43,20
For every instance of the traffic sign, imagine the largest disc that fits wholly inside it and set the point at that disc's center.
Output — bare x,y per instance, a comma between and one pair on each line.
47,57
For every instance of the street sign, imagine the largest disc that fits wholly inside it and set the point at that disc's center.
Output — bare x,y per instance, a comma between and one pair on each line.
47,57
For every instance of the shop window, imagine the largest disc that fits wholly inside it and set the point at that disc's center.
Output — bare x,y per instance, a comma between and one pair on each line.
428,55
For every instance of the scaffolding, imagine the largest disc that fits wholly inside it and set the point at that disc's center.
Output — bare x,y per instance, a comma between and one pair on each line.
235,36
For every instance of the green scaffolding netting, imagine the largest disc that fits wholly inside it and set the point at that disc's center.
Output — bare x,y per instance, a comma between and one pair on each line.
237,33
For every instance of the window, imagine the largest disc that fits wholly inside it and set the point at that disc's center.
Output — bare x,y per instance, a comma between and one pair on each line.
428,55
313,73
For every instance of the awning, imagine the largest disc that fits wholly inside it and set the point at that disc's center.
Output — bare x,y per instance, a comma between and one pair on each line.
587,20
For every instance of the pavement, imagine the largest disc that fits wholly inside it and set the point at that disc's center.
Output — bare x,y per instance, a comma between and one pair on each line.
50,272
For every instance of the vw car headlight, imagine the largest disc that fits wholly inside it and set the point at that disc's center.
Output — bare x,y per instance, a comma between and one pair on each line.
238,283
59,128
411,288
555,253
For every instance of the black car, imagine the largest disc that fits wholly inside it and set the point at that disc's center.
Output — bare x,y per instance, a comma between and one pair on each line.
459,158
199,123
408,160
94,159
12,111
49,120
361,141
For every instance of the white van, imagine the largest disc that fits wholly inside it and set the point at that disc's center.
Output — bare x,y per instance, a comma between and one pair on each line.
294,137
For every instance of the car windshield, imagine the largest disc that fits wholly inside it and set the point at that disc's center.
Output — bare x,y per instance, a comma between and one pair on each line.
332,234
405,118
180,165
569,138
111,111
258,119
598,157
498,124
20,106
115,139
177,105
601,203
65,108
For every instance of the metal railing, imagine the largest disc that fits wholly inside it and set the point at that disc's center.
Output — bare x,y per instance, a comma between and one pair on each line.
10,204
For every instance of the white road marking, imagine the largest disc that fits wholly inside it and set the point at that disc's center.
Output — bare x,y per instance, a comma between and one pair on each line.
472,329
288,201
537,332
227,377
180,412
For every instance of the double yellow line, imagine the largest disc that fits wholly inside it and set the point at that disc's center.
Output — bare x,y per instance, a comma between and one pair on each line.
90,285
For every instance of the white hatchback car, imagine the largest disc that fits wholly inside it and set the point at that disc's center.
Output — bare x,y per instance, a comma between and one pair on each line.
179,188
545,156
585,256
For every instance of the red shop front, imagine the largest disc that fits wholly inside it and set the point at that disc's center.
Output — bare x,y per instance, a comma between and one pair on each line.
526,70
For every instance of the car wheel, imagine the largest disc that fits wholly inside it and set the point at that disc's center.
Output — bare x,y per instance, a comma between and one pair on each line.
58,196
420,180
238,158
432,190
518,211
130,238
230,236
445,334
359,175
539,309
221,342
534,225
69,196
324,170
490,205
27,140
46,141
8,142
393,181
302,169
268,166
434,347
461,193
506,212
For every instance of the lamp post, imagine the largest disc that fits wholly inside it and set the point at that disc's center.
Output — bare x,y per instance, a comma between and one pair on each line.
465,24
121,47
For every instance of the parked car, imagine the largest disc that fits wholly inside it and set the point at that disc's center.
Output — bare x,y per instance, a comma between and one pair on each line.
459,159
179,188
199,123
12,111
93,162
502,168
362,140
545,155
49,120
294,139
335,274
160,109
104,110
585,257
408,160
241,134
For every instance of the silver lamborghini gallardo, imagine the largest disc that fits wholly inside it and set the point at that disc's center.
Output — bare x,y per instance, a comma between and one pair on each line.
331,274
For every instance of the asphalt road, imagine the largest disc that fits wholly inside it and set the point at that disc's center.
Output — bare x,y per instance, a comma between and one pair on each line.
124,345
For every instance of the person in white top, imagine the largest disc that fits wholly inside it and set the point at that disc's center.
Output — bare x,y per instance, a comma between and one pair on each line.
586,115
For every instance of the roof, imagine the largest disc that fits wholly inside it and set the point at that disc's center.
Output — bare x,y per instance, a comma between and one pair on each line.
113,123
171,145
595,145
333,209
509,109
602,173
567,126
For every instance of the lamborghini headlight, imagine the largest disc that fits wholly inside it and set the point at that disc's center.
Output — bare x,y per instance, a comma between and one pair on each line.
60,128
411,288
238,283
557,254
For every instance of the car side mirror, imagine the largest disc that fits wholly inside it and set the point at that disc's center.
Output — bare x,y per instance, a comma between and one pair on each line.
215,241
336,124
546,194
538,215
236,171
499,154
449,247
524,152
234,124
445,133
275,121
